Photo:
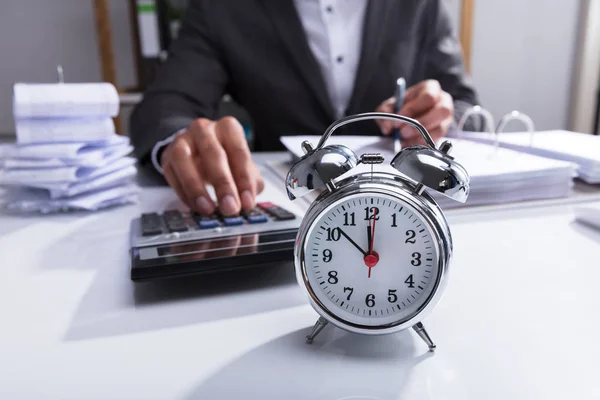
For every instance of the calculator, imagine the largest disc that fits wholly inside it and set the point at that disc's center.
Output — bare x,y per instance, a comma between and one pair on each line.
178,243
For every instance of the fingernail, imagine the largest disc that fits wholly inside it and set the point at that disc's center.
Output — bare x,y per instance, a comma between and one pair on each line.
247,199
227,205
203,205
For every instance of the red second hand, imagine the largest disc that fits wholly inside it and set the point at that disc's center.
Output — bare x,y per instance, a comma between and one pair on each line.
372,258
373,233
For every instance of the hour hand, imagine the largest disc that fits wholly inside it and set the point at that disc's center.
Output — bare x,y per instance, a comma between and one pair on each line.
352,241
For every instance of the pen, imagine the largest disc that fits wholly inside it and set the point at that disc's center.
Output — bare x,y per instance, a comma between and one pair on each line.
400,93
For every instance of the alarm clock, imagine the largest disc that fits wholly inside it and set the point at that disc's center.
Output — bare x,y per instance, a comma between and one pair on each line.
373,250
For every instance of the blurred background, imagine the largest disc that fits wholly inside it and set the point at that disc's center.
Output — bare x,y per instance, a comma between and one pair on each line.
541,57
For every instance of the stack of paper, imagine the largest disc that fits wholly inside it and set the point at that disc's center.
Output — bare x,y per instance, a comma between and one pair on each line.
579,148
497,175
67,155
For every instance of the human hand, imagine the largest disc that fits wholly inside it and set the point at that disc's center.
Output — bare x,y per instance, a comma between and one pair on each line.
217,153
427,103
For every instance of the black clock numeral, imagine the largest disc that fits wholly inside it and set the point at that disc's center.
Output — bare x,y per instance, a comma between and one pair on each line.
394,221
333,279
370,300
410,237
349,219
371,213
333,234
409,281
392,297
348,289
327,255
416,261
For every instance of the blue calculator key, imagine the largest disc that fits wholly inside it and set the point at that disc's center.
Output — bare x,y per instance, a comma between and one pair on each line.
257,218
233,221
207,222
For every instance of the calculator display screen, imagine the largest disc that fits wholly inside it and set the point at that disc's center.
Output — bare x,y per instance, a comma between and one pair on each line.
213,255
229,246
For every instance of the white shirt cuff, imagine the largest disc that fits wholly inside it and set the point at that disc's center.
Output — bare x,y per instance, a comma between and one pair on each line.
159,145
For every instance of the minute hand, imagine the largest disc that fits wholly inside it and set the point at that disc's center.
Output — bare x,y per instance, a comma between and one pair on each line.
353,242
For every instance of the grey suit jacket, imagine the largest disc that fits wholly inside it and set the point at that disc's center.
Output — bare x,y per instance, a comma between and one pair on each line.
256,51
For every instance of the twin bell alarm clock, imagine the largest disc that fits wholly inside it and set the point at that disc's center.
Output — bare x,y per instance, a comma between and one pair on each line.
373,250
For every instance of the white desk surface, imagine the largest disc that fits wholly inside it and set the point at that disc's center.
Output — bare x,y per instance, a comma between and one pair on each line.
520,319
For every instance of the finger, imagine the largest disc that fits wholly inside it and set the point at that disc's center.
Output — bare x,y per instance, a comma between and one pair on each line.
424,97
260,183
189,177
215,166
171,178
441,130
387,106
410,133
434,117
231,136
413,90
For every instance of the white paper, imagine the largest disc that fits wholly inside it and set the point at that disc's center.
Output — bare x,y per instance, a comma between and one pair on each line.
580,148
5,152
479,160
39,176
33,200
32,100
72,150
111,179
496,175
97,158
44,130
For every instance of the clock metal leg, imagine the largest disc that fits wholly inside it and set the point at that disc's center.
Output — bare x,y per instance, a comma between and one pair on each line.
317,328
420,329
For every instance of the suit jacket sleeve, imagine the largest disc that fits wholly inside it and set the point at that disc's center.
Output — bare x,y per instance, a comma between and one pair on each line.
444,62
188,85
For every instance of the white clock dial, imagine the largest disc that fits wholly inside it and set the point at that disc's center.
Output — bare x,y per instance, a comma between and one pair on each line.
371,259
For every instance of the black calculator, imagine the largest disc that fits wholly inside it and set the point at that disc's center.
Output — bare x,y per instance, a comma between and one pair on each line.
181,243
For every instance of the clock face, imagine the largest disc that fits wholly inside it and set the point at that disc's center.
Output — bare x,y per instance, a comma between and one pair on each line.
371,259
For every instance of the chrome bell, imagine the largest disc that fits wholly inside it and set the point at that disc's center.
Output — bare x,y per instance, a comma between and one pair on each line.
435,169
425,164
317,168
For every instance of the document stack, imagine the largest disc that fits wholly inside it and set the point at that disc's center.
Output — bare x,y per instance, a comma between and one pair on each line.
579,148
67,155
497,175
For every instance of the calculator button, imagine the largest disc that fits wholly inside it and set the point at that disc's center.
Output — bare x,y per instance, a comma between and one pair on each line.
208,224
265,205
255,217
233,221
207,221
151,224
177,226
175,221
172,214
281,214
